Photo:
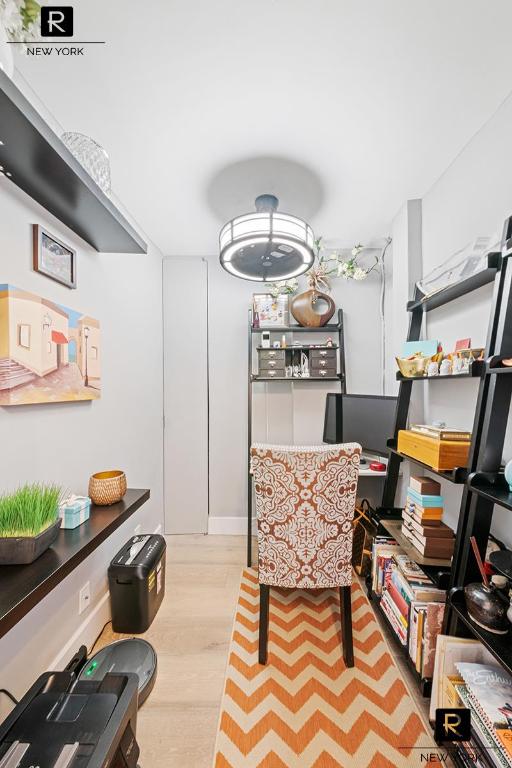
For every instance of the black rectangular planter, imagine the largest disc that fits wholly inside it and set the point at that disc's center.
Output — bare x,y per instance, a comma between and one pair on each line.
22,550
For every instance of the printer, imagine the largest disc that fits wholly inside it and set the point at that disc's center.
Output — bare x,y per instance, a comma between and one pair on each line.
67,722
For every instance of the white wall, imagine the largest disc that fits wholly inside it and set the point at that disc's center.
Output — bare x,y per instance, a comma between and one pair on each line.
472,198
276,416
185,298
64,443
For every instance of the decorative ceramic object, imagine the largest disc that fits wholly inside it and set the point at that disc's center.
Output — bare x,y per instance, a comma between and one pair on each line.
91,156
487,607
508,474
107,487
446,367
458,365
305,308
6,59
433,368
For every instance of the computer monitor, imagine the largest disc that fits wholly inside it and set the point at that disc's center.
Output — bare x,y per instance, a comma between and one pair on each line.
365,419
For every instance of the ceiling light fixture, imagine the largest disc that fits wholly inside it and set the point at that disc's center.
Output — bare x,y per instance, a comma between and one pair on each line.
266,246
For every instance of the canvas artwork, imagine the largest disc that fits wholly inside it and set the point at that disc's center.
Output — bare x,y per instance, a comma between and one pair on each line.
48,353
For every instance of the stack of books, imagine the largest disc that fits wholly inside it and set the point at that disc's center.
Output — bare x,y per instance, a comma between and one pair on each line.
442,433
422,524
412,604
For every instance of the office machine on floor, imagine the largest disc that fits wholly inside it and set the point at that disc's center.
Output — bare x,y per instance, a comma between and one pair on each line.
136,579
130,655
62,722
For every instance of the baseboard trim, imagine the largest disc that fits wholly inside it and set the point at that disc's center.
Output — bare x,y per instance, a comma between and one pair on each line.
229,526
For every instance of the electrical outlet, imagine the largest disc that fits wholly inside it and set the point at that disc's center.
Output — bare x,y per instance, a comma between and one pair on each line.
138,530
84,598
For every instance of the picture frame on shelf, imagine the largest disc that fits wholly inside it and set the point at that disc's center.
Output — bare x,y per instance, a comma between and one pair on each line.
272,311
53,258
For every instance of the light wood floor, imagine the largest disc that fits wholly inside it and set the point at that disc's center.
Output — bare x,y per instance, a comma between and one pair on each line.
177,724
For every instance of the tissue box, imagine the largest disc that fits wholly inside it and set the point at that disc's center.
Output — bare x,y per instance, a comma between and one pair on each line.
74,511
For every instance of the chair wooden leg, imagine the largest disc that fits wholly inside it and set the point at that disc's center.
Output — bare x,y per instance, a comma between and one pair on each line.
346,626
264,610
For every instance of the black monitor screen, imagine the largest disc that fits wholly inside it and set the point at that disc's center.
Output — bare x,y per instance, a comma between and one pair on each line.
365,419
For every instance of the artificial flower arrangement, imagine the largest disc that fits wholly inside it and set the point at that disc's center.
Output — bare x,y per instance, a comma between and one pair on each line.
326,267
20,19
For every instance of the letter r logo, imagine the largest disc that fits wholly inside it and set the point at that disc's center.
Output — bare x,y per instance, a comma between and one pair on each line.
56,21
453,725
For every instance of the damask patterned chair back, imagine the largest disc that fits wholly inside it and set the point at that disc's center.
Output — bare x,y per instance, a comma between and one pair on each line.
305,501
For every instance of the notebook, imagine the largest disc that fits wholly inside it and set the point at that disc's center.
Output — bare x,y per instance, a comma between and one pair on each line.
488,739
490,688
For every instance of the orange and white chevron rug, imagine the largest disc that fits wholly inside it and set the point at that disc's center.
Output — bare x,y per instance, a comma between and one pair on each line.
305,709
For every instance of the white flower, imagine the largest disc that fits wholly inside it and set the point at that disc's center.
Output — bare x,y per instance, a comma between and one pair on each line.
342,269
11,18
359,274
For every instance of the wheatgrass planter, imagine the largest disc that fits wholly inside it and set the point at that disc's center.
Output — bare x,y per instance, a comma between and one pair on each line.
22,550
29,522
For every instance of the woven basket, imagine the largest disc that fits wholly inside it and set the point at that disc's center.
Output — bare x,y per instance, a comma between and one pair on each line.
107,487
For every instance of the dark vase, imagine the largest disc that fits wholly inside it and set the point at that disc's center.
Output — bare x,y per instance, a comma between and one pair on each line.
487,607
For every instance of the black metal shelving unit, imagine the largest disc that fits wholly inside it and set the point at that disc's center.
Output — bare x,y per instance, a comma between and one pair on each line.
417,308
486,485
329,329
441,576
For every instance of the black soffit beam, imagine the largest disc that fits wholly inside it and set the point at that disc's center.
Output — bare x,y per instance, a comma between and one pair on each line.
35,159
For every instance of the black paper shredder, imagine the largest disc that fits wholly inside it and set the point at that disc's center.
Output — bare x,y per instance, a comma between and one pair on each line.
136,578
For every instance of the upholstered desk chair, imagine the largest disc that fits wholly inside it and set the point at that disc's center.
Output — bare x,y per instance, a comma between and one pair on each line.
305,500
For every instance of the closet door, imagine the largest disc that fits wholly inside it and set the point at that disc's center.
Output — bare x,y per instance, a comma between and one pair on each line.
185,302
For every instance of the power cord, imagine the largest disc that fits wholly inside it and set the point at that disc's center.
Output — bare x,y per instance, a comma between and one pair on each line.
15,700
99,635
9,695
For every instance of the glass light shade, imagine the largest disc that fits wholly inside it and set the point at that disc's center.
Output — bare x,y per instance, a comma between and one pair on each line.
266,246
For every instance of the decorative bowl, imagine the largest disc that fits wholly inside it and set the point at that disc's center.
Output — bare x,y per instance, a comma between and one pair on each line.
107,487
410,367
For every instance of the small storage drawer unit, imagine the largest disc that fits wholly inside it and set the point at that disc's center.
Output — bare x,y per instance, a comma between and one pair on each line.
271,354
136,579
316,355
269,365
289,362
321,373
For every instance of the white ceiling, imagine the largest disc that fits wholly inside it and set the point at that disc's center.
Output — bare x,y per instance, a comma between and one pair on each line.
343,108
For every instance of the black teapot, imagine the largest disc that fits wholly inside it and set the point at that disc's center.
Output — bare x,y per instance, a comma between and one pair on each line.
487,607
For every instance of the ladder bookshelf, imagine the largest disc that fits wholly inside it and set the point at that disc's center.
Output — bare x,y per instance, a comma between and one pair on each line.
447,574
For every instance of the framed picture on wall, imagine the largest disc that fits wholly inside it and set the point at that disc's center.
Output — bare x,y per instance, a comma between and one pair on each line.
53,258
